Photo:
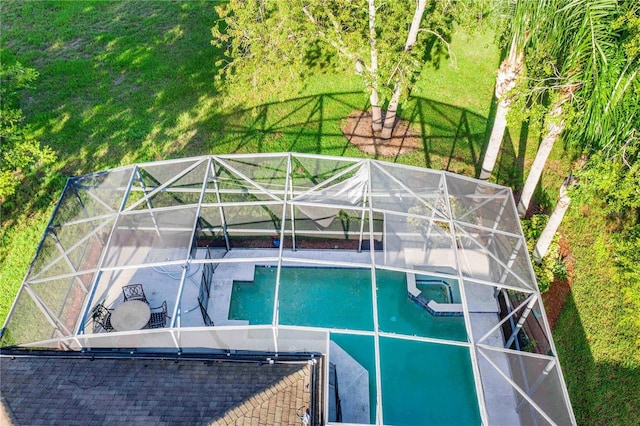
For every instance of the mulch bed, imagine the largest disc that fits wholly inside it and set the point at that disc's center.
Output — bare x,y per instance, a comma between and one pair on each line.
404,139
556,296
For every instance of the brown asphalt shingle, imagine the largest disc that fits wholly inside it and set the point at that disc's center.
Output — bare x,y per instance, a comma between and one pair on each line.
48,390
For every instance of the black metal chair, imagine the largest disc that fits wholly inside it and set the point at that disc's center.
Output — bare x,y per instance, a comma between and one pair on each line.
101,316
158,316
134,292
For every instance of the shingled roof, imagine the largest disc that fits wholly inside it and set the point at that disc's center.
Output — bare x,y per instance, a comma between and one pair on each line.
54,390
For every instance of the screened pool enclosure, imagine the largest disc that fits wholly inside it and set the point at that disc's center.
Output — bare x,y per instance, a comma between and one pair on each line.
401,268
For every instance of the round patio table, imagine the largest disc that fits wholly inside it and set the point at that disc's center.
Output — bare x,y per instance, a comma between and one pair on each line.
131,315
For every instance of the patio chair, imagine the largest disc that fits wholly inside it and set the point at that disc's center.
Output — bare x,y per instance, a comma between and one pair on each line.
134,292
102,316
158,316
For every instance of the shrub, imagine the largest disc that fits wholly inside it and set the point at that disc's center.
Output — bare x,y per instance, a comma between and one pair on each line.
21,157
552,266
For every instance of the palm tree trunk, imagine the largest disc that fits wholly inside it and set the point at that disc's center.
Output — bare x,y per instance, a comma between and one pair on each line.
539,162
495,141
550,230
505,81
390,117
376,110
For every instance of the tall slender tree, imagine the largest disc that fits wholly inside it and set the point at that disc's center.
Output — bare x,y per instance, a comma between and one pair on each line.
374,98
270,45
549,231
390,117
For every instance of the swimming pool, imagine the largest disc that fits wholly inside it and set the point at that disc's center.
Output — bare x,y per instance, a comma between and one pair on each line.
339,298
421,382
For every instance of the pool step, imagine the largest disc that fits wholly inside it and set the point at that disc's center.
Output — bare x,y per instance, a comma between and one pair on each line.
236,271
411,285
438,309
222,287
220,300
231,322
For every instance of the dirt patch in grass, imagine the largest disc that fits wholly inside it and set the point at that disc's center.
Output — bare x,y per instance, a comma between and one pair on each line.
404,139
555,297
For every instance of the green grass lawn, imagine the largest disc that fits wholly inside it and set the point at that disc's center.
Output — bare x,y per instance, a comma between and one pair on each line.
599,353
124,82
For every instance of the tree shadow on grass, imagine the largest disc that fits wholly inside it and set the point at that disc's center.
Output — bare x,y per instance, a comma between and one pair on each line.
116,83
307,124
119,83
600,392
509,169
453,138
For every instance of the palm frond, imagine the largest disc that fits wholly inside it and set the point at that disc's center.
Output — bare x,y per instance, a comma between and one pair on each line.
585,37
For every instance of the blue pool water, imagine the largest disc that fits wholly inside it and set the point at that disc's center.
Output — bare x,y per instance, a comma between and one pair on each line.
436,291
253,301
422,383
427,384
397,313
326,297
339,298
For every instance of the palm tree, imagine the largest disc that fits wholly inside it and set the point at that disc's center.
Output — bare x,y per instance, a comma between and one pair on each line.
608,126
581,42
505,81
526,22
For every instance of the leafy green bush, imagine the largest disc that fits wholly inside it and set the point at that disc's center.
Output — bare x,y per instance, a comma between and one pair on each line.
612,184
21,156
559,269
552,266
